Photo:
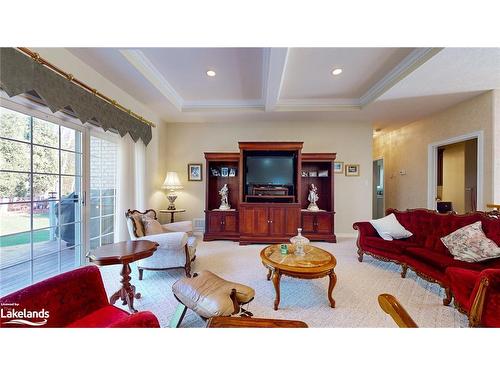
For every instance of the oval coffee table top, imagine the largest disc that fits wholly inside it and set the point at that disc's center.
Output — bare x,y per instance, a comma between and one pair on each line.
314,260
122,252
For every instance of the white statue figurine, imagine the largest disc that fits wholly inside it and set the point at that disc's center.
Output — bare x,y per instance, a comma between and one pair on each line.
313,198
224,204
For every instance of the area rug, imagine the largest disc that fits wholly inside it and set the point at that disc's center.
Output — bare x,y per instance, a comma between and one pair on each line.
356,292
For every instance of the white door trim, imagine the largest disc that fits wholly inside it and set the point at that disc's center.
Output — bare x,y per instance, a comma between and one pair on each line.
432,170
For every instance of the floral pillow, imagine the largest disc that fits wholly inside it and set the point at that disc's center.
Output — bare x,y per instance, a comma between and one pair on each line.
151,226
470,244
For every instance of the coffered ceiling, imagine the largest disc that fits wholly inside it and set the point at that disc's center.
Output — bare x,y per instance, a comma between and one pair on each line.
387,86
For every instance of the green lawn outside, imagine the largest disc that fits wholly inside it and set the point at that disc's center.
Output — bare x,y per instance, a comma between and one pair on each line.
13,223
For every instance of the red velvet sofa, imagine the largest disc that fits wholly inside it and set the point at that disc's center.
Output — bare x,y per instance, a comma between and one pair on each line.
424,252
73,299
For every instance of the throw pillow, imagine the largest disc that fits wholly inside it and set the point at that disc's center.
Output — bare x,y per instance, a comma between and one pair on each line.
470,244
389,228
151,226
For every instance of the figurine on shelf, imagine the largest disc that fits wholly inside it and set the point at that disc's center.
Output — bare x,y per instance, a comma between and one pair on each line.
224,203
313,198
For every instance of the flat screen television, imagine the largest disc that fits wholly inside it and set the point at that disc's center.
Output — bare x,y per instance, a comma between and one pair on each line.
271,170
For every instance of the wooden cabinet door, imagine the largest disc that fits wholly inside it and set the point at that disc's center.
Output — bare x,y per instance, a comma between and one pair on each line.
308,223
292,221
254,221
215,220
230,222
324,223
277,221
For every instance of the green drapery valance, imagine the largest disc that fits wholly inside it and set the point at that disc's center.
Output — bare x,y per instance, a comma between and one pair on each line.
20,74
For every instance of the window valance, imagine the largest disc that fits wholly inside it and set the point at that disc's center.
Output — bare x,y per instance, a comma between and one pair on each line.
20,74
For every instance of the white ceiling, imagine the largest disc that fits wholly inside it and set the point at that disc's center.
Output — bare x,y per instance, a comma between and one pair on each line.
387,86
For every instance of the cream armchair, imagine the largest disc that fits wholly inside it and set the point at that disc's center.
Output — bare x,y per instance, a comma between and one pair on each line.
177,246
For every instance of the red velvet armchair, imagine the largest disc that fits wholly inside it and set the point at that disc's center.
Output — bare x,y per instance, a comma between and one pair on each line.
477,294
73,299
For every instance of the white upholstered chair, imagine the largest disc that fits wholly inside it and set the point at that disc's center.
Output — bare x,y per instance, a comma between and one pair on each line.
177,245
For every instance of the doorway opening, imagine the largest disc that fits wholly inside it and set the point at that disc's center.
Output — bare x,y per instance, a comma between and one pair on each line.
456,175
378,203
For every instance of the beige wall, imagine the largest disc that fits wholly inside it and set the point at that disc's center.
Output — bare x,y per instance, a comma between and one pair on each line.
406,148
454,176
183,143
496,146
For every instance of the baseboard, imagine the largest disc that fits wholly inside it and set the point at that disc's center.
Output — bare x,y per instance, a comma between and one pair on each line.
346,235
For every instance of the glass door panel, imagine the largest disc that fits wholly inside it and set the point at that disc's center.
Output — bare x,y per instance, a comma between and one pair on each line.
40,199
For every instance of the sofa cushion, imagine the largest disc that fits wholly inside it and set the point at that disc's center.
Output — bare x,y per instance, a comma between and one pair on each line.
389,228
395,246
151,226
470,244
434,259
102,317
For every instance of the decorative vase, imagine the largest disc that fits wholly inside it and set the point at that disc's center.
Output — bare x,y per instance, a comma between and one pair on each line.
299,241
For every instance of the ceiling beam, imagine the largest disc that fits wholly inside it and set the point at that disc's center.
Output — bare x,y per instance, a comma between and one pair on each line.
149,71
410,63
274,66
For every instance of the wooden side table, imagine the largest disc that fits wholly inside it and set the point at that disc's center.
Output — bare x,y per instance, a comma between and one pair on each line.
123,253
172,212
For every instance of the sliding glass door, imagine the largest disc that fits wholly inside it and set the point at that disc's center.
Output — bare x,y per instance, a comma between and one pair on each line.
41,212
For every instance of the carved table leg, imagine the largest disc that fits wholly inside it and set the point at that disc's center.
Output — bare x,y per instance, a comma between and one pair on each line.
269,274
276,282
331,285
127,291
360,255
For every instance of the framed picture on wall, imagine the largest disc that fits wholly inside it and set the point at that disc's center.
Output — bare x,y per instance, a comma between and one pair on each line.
338,167
352,170
224,171
232,172
194,172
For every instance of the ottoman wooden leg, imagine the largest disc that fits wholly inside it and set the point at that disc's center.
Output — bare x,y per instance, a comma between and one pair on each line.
179,314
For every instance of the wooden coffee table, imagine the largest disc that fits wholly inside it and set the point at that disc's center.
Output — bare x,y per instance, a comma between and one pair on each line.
123,253
314,264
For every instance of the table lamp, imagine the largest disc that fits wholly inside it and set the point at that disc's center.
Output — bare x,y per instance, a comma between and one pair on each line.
172,183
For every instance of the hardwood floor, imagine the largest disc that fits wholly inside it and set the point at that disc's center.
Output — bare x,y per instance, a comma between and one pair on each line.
16,267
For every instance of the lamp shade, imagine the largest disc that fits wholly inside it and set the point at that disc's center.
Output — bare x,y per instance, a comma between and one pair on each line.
172,181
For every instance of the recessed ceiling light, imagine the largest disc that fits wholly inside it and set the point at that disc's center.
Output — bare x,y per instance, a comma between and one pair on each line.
211,73
336,71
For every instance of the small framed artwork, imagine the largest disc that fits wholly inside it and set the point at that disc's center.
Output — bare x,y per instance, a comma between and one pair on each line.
232,172
215,172
313,174
352,170
224,171
323,173
338,167
194,172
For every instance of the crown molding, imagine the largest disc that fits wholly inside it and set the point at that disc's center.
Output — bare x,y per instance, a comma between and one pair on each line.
409,64
319,104
223,105
149,71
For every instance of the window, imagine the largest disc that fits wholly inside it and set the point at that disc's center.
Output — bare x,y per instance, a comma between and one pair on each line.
103,184
40,199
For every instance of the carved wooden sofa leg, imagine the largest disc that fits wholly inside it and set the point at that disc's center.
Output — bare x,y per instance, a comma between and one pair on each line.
448,298
360,255
404,270
141,272
476,310
187,267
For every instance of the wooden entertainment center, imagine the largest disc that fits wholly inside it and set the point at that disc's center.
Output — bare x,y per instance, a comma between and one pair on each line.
269,212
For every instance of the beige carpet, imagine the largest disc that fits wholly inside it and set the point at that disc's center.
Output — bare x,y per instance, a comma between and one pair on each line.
355,294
